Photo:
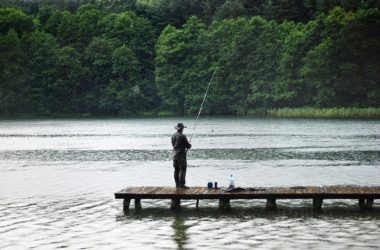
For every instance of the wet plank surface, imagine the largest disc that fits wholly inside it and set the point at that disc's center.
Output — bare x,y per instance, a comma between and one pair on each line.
298,192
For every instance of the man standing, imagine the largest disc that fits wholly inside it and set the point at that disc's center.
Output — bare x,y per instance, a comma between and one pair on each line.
180,146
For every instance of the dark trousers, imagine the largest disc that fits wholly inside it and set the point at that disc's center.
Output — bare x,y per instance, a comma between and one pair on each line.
180,166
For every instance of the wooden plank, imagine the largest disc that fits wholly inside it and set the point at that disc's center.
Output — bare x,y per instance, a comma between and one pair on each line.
312,190
333,190
283,190
373,190
154,190
337,191
350,190
359,190
304,190
344,190
367,190
354,189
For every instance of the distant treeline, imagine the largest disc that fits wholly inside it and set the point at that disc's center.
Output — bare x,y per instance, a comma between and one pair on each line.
127,57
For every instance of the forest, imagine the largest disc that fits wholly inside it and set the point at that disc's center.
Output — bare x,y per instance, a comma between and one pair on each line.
156,57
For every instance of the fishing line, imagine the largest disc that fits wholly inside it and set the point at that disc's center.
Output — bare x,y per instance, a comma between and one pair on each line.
201,108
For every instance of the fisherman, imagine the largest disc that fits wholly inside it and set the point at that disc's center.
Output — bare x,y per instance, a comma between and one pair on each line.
180,146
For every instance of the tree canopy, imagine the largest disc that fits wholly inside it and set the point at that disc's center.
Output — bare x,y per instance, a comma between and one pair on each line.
128,57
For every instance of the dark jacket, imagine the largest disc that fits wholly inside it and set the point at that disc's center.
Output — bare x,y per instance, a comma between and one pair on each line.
179,142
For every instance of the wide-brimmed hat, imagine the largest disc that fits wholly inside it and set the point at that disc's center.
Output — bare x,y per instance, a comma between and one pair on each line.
179,126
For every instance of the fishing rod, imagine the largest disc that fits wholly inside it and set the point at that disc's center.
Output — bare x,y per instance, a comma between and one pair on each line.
201,108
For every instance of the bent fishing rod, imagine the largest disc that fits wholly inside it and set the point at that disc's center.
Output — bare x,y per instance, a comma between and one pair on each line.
201,108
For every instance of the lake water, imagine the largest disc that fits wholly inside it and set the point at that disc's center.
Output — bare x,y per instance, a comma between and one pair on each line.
58,178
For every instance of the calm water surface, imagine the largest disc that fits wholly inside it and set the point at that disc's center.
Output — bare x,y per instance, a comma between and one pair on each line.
58,178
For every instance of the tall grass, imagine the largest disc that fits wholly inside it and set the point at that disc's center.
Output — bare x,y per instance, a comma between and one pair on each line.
325,112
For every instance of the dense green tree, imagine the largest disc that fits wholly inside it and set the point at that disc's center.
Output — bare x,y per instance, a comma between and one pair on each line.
341,67
247,56
64,91
98,58
181,66
15,19
125,64
135,32
88,17
29,7
228,56
168,58
119,96
52,22
263,61
43,16
281,10
67,30
11,89
42,52
128,57
230,9
291,89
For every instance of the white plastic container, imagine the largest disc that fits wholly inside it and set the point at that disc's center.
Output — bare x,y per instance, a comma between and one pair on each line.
232,181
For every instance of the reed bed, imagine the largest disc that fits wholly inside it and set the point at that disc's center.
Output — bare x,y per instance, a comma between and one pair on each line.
325,112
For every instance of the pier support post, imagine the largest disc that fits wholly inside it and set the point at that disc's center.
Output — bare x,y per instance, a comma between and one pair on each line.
271,204
224,204
317,204
197,204
362,203
175,204
369,203
126,203
138,206
365,204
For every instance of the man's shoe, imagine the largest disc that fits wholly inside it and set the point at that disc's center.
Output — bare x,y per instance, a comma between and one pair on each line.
184,187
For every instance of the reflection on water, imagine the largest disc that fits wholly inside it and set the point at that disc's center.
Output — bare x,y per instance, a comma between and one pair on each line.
179,228
58,180
246,227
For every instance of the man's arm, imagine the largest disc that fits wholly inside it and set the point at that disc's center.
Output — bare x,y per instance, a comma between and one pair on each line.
186,143
173,140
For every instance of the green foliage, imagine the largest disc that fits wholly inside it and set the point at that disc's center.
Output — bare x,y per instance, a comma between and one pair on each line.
263,64
136,32
88,18
10,71
16,20
67,29
42,51
230,9
342,66
64,90
181,66
290,10
53,20
130,57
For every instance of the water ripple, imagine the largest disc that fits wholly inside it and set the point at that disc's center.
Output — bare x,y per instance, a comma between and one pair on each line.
162,155
58,178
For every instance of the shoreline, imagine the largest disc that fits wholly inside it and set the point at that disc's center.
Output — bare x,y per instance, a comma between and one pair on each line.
306,112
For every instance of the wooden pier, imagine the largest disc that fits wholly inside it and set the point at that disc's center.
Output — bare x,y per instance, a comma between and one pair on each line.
364,194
